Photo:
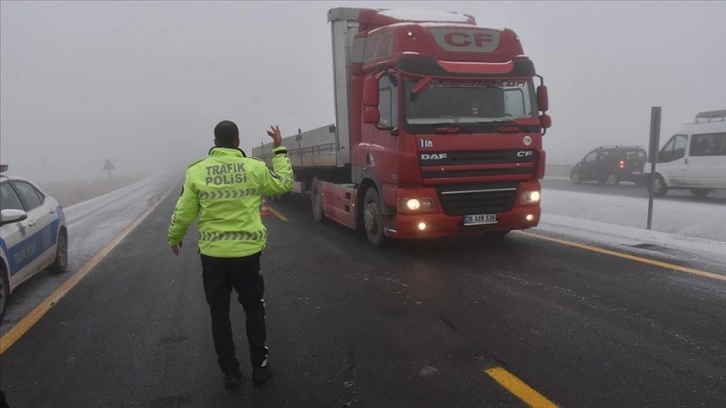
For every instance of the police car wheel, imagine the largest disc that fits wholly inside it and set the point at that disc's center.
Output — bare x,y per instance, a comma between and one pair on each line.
4,291
61,255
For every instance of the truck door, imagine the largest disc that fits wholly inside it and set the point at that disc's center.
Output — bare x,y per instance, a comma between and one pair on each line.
384,147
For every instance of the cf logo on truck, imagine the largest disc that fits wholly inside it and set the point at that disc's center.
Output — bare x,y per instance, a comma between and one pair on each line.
459,39
525,153
466,39
433,156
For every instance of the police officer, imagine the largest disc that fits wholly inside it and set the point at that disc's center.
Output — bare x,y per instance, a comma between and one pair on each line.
225,190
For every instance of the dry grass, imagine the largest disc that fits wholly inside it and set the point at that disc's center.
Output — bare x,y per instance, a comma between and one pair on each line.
73,192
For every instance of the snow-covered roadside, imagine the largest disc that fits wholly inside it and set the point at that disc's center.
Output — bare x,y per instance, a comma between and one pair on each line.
682,248
693,219
691,232
94,223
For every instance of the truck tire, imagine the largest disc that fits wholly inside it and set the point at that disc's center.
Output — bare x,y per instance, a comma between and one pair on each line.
316,201
4,291
373,218
61,254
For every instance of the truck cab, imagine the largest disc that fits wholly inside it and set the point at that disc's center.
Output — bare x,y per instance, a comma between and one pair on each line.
438,131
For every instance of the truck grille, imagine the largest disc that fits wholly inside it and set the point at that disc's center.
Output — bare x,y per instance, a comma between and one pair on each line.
490,163
472,199
477,157
478,173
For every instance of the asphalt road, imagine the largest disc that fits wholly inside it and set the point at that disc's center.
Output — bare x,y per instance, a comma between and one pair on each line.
414,325
630,190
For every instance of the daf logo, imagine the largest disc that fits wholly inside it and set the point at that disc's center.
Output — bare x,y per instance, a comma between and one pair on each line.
525,153
433,156
527,140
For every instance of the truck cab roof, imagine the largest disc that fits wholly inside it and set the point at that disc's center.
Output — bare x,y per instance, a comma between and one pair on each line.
431,43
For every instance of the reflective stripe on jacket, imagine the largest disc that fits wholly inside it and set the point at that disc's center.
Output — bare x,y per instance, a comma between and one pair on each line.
225,190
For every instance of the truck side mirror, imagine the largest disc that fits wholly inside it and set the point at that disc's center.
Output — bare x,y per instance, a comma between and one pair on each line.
370,92
370,100
543,98
545,121
371,115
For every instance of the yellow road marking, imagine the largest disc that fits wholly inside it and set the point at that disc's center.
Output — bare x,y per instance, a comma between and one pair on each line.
22,327
629,257
519,388
277,213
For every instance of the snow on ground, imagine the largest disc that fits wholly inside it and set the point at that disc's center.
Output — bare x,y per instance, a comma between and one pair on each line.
693,232
94,223
696,220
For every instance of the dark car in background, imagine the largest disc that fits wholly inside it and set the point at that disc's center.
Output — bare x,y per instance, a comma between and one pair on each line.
611,165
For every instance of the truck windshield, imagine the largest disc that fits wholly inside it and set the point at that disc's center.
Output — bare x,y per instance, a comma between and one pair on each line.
467,101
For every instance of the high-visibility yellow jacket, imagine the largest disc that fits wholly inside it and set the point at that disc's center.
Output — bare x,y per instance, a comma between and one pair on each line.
225,190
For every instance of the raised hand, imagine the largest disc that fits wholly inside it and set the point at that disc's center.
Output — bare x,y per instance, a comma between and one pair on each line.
276,135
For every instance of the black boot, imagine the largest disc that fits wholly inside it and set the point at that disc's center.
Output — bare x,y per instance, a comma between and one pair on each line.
233,379
260,375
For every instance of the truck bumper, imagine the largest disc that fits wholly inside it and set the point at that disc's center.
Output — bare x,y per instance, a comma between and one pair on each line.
437,224
441,225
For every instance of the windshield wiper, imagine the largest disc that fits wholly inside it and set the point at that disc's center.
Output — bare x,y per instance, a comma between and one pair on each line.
504,124
450,127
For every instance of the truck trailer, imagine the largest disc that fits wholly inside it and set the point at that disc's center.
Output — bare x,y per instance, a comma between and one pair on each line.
438,129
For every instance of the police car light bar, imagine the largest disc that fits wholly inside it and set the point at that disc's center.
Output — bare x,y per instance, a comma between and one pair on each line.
3,168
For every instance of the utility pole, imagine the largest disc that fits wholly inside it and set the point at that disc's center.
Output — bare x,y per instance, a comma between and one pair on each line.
654,142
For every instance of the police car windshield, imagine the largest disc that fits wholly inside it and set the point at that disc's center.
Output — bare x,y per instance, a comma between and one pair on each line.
468,101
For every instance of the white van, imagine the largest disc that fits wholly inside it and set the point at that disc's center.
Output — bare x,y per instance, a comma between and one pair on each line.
694,158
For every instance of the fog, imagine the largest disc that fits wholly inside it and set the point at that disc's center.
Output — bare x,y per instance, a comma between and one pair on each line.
143,84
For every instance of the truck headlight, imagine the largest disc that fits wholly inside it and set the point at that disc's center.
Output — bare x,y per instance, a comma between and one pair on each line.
415,204
530,197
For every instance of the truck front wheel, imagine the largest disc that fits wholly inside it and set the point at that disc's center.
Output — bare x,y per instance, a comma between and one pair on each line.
373,217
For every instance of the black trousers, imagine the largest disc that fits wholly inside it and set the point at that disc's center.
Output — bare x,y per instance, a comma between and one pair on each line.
220,275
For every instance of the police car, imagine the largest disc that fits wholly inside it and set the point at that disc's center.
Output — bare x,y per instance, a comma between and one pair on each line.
33,234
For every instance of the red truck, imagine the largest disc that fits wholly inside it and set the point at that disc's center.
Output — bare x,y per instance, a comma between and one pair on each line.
438,129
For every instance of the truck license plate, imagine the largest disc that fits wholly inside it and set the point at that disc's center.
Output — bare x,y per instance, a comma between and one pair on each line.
480,219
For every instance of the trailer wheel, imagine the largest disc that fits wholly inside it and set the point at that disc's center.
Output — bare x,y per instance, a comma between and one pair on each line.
373,217
316,201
